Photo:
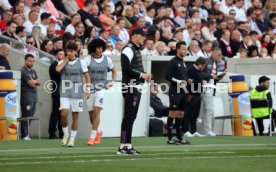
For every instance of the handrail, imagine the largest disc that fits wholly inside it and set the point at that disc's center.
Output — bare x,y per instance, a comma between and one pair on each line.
23,47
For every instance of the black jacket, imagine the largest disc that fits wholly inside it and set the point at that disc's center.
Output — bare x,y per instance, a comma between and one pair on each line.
176,69
55,77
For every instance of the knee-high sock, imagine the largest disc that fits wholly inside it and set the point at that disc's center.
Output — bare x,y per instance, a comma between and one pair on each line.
178,126
170,127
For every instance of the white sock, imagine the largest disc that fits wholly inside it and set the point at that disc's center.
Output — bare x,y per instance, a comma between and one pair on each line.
65,130
129,146
123,145
73,134
93,134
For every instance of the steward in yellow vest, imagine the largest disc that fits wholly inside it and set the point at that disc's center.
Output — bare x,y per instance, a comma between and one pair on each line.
261,109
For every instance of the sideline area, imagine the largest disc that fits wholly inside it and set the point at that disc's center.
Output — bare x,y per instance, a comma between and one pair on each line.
205,154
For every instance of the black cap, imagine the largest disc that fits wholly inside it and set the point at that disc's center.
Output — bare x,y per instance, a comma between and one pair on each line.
263,79
138,31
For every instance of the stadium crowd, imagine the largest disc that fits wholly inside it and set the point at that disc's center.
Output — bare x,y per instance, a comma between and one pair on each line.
241,28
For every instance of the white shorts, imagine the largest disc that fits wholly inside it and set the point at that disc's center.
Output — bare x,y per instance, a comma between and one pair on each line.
75,104
96,99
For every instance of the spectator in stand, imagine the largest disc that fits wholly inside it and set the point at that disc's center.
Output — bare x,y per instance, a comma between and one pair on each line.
29,49
95,18
51,32
254,39
232,14
85,13
80,47
7,16
235,42
208,31
148,48
136,10
226,6
109,49
120,6
47,46
245,43
36,33
160,49
251,17
272,51
154,35
202,12
57,44
114,35
19,7
79,27
188,33
178,36
18,19
262,22
241,54
181,16
123,34
89,35
104,34
224,43
44,23
266,40
10,31
141,22
264,54
240,13
75,18
194,51
166,35
118,48
4,52
221,26
20,33
253,52
29,24
207,48
231,24
67,38
150,15
128,16
107,19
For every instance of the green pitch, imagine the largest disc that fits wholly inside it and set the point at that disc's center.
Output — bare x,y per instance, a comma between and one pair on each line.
221,154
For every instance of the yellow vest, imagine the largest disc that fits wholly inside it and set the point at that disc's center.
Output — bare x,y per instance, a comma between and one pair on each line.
263,109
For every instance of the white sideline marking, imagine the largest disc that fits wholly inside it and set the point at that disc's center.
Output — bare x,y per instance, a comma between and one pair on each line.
140,147
113,155
134,159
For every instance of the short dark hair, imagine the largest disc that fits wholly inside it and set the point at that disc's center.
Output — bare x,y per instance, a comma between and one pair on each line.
253,32
71,46
45,16
56,39
200,61
95,43
178,45
10,22
263,79
28,55
55,52
88,2
19,29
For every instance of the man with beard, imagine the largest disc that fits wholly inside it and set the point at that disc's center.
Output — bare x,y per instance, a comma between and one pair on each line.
29,84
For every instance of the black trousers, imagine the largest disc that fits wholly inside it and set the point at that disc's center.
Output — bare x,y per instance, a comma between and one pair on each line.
132,98
28,110
192,113
55,121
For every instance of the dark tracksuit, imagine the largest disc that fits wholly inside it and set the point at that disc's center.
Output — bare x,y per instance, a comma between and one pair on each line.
193,108
176,70
132,67
55,115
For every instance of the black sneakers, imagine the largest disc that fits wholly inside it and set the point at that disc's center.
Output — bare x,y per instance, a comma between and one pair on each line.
178,142
126,151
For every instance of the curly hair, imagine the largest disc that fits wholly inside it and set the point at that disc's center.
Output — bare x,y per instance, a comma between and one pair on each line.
96,43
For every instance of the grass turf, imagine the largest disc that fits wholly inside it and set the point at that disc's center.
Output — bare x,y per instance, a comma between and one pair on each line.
252,154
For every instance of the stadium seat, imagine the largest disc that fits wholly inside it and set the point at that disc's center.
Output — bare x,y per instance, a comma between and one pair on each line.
29,119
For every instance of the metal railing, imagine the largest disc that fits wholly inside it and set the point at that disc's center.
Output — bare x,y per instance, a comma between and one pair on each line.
24,48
